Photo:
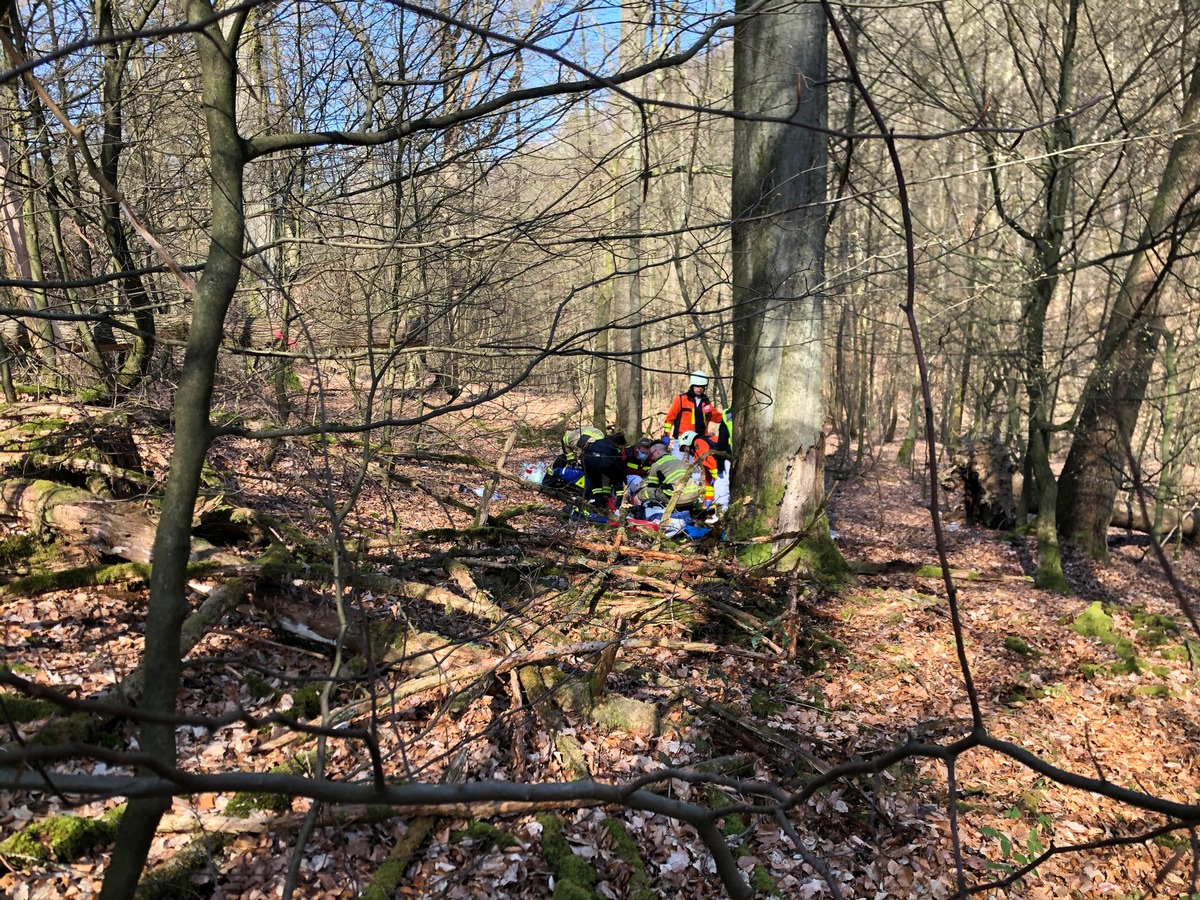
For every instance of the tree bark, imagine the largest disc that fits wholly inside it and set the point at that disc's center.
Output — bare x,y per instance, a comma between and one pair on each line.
779,229
210,301
634,26
112,143
1113,394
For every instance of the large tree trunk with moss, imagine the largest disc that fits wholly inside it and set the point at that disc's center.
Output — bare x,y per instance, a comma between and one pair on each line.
1112,397
216,43
779,231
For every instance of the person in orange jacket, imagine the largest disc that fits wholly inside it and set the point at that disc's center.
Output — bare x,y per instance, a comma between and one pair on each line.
692,411
699,452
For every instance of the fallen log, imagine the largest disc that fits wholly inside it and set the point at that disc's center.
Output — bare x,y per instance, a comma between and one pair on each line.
49,438
104,527
99,526
1128,516
990,486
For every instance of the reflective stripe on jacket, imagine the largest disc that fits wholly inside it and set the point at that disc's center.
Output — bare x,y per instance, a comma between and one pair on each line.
669,476
681,415
702,454
576,441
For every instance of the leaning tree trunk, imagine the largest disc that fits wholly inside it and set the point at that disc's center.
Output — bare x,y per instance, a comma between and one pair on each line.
210,300
779,231
1112,397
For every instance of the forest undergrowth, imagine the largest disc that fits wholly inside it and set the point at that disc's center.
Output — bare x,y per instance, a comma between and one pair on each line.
526,646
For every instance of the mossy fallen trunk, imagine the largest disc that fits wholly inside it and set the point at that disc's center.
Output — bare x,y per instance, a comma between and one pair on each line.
390,874
173,879
546,696
58,839
127,573
626,849
574,877
55,438
18,709
105,527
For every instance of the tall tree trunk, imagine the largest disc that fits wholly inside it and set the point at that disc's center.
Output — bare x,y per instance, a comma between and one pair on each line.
604,309
1047,241
112,143
172,544
1113,394
634,39
1168,479
14,225
779,229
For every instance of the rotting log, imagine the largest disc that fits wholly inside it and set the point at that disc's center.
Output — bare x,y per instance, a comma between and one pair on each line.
1128,515
104,527
172,877
688,562
61,839
451,664
101,527
128,573
45,437
986,478
543,701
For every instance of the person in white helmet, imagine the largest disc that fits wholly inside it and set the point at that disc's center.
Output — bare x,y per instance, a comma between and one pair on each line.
691,411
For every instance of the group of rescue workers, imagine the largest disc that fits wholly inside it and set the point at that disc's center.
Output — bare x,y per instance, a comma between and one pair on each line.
683,473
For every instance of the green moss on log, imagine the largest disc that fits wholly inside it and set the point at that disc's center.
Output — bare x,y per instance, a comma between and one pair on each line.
488,836
1016,645
69,579
259,687
131,574
58,839
19,708
18,548
1095,622
244,803
573,695
619,713
626,849
732,825
173,879
574,878
77,727
390,874
761,880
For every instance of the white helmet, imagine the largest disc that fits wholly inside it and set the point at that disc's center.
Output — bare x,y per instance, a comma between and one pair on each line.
699,379
686,440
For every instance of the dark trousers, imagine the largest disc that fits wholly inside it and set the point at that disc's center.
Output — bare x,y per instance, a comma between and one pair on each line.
603,470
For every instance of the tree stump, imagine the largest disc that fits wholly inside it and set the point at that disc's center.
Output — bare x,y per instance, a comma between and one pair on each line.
986,475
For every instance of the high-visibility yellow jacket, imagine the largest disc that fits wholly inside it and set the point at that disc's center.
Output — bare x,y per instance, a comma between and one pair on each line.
668,476
574,442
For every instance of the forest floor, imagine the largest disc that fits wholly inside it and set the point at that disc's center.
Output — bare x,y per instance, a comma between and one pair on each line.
874,663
